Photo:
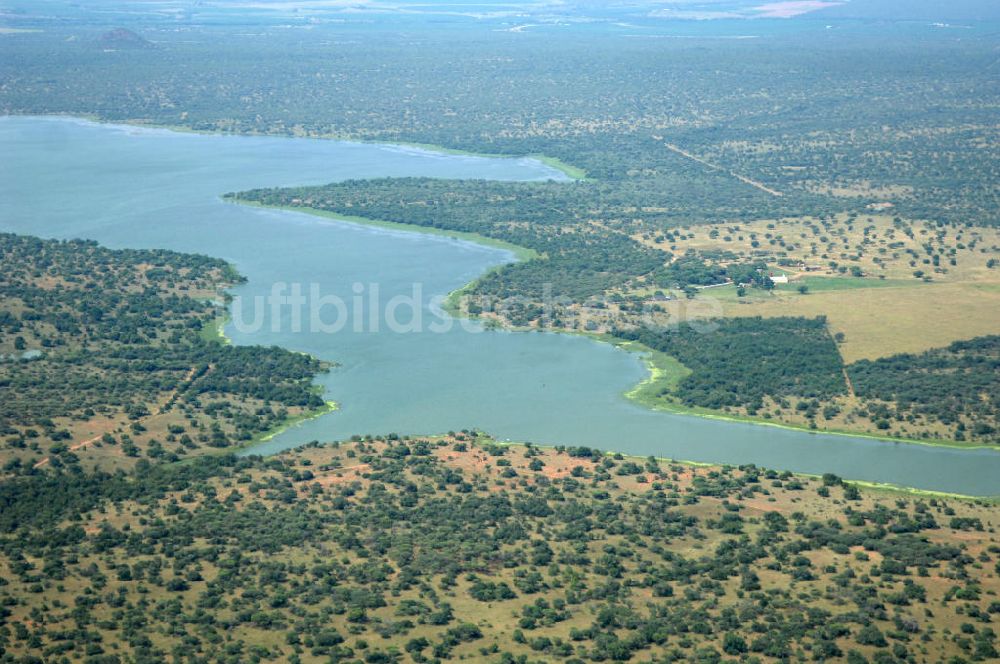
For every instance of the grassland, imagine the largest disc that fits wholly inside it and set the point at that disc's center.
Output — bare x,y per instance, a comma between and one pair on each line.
664,374
884,286
885,311
879,322
877,318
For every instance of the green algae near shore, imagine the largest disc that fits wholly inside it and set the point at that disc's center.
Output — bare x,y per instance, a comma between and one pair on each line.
666,371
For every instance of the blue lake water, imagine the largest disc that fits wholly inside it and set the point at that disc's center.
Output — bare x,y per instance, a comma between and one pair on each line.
128,187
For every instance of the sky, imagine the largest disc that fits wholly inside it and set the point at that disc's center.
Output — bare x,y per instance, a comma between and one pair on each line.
944,11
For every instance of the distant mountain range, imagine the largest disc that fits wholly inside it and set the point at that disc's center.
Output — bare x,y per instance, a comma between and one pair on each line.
123,38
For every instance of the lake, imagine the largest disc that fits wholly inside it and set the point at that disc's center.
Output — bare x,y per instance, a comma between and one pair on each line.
129,187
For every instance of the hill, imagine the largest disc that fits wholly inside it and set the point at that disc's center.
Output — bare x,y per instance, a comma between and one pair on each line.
123,38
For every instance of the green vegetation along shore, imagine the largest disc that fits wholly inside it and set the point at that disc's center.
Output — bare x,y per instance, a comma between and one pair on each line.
796,407
520,253
665,372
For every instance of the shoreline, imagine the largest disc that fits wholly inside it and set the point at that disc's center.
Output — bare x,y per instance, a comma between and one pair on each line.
214,332
574,173
244,448
648,356
293,421
450,303
519,253
656,374
884,487
215,329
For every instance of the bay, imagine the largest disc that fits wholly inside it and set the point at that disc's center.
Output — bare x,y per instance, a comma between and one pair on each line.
130,187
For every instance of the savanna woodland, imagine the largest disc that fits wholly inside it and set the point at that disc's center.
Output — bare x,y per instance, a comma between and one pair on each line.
796,220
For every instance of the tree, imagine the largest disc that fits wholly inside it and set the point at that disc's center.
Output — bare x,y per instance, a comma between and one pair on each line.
734,644
870,635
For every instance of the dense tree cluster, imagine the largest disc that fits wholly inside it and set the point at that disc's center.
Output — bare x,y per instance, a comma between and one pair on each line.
792,365
958,386
697,268
739,361
691,269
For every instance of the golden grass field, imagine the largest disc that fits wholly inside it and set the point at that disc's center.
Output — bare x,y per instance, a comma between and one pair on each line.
885,312
877,322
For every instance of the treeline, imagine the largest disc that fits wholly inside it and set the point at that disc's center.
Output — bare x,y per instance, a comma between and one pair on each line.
794,364
958,386
577,260
737,362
